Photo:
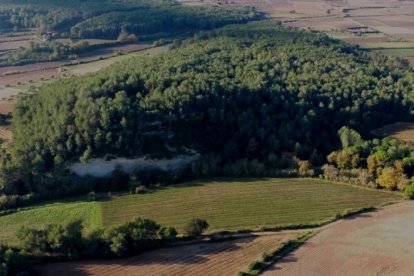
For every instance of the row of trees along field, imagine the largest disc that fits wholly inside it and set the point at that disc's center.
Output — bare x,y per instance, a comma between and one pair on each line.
46,51
249,92
71,242
107,19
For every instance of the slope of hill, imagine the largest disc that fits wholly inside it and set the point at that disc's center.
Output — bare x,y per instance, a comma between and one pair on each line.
240,92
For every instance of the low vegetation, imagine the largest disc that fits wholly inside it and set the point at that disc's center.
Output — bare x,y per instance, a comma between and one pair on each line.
257,267
69,241
53,213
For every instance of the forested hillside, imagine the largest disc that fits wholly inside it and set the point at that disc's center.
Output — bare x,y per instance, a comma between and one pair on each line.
108,18
250,92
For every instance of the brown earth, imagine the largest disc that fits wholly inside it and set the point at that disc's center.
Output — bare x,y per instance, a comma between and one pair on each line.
379,243
25,74
402,131
7,107
222,258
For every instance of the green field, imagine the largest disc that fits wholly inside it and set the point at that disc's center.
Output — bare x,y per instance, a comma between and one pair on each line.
95,66
227,204
242,204
56,213
397,52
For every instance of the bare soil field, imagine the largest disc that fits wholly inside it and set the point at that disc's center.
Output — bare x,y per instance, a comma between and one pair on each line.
380,243
393,19
324,24
222,258
15,44
7,107
32,73
5,133
402,131
90,41
27,78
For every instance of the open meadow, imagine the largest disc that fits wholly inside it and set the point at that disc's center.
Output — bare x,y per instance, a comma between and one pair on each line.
227,204
53,213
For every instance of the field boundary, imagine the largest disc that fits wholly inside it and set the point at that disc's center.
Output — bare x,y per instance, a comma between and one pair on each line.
300,227
257,267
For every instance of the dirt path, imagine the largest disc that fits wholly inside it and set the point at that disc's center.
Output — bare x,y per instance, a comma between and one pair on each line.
376,243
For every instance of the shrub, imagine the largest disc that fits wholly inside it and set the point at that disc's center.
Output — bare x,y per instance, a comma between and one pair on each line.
255,266
392,178
365,178
196,227
12,262
56,239
330,172
168,233
68,242
409,191
305,168
119,244
95,245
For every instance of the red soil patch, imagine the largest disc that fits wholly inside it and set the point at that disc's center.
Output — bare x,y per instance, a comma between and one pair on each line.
222,258
377,243
6,107
402,131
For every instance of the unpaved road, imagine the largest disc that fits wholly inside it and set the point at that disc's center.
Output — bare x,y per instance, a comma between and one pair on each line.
376,243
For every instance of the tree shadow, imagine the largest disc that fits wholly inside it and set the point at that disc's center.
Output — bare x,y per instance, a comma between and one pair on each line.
363,214
184,255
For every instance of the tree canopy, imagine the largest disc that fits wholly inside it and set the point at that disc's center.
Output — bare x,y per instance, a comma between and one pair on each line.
250,91
108,18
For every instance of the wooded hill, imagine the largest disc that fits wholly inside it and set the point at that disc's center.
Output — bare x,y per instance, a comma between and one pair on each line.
254,92
108,18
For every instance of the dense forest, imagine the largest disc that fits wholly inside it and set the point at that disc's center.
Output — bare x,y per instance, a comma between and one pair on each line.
246,92
107,19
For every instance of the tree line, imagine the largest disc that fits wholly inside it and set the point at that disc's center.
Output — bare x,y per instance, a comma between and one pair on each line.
72,242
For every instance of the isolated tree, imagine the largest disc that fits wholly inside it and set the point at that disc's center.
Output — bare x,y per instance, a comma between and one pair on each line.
196,227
